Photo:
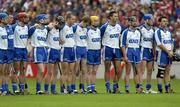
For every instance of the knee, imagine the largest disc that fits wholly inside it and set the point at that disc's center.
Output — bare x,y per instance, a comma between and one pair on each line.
161,71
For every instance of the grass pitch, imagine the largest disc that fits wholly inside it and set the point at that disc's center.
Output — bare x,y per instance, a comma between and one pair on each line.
102,99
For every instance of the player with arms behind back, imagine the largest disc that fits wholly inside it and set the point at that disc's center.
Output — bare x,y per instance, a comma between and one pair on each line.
110,33
147,50
93,53
80,31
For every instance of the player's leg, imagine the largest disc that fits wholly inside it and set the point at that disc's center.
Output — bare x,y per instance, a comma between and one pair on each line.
64,76
22,77
23,84
71,72
149,67
14,78
40,58
93,78
62,86
48,75
116,64
1,79
39,77
161,60
107,65
160,76
89,77
167,78
74,73
143,68
6,79
4,92
17,70
127,75
137,70
107,56
54,78
83,73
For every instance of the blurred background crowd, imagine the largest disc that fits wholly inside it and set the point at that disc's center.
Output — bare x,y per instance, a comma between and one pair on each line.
125,8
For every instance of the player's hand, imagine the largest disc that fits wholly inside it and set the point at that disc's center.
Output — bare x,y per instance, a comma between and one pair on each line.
61,42
30,54
155,58
125,59
170,54
51,25
36,25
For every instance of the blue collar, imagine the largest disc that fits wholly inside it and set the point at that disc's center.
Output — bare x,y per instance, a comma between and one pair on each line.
146,27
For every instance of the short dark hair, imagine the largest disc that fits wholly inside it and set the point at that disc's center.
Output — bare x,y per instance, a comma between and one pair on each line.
111,13
162,17
69,15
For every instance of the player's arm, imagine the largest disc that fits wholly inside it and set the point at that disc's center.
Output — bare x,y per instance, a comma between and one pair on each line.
123,45
102,31
61,40
30,33
154,47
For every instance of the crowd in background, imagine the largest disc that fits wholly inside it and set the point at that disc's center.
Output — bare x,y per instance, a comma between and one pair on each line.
168,8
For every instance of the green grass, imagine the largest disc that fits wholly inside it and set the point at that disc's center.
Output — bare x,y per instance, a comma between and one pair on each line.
100,100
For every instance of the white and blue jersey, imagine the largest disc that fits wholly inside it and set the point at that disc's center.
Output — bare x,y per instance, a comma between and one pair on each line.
10,50
68,48
3,45
147,42
111,40
39,43
81,41
163,37
54,51
94,46
131,41
20,42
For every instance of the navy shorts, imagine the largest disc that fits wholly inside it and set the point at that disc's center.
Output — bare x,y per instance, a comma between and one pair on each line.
68,54
54,55
94,57
134,55
40,55
111,53
147,54
20,54
81,53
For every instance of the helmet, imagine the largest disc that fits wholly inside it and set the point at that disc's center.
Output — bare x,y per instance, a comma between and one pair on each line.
148,17
3,16
177,55
61,22
94,18
20,16
40,17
